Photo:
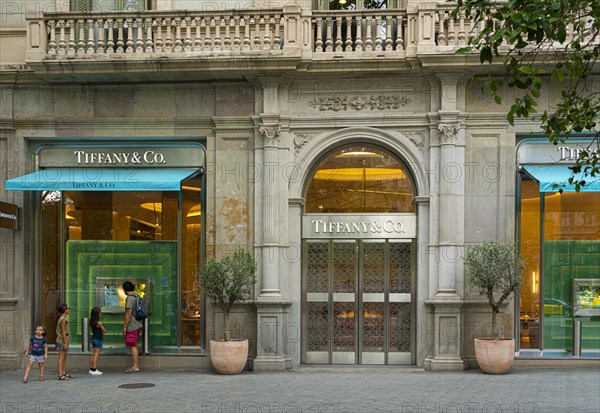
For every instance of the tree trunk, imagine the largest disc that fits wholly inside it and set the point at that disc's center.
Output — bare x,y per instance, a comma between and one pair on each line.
495,329
226,334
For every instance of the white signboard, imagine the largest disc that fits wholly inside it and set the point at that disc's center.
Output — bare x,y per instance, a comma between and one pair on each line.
544,152
359,226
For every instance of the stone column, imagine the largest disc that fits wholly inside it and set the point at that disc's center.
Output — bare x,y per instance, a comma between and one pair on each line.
447,303
272,309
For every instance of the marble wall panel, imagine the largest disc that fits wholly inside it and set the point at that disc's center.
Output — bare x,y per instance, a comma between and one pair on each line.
236,99
194,100
73,101
155,102
115,101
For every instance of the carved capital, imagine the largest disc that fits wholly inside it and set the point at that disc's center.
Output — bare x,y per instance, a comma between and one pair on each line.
270,133
448,132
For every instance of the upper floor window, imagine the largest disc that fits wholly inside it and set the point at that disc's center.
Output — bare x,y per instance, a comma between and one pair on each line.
110,5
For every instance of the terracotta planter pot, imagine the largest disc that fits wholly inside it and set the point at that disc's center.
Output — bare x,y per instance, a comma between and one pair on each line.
494,356
229,357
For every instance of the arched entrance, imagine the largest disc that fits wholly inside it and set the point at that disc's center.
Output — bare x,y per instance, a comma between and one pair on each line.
359,259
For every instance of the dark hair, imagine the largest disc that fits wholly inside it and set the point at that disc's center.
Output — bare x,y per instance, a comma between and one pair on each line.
95,317
128,286
43,328
61,309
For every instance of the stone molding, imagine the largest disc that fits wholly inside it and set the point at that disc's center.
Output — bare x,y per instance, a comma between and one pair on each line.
344,103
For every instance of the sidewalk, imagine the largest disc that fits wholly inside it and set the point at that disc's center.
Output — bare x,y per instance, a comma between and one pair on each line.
308,389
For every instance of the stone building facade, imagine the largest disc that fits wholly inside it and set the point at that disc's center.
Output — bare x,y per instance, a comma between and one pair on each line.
347,149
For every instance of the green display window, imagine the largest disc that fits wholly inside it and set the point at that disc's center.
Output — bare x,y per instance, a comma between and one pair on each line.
92,265
565,261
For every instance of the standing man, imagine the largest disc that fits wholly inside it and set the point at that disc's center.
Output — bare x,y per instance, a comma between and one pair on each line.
132,327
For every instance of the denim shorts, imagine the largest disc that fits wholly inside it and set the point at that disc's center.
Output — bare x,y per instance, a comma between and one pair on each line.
96,343
39,359
60,347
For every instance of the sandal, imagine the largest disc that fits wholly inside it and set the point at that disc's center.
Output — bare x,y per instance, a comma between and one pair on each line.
24,381
64,377
131,370
42,378
68,376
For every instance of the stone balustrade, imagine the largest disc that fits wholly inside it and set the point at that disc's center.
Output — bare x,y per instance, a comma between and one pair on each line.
355,32
131,35
422,28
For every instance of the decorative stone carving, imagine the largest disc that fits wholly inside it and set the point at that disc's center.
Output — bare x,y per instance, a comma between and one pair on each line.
338,104
448,132
131,5
270,133
300,140
415,137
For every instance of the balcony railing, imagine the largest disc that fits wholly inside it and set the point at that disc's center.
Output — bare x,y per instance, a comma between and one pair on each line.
419,29
379,31
121,34
289,31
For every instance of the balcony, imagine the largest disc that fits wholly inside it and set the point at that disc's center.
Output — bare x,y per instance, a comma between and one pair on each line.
161,45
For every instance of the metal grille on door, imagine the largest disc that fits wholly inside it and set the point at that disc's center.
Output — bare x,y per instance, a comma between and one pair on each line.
358,302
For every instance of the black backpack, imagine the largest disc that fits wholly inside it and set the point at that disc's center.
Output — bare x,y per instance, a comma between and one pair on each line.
140,311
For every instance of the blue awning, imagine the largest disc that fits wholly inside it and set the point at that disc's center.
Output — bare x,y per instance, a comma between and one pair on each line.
92,179
549,175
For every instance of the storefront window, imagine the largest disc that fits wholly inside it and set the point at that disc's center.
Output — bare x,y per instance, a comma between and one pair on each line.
571,251
110,237
360,178
530,250
191,303
51,261
560,239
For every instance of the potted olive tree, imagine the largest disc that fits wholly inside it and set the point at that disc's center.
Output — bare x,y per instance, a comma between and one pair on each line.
496,269
226,282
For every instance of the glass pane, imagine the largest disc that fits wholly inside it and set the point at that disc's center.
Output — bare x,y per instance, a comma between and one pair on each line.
51,282
530,250
374,267
360,179
318,327
344,267
373,327
343,326
116,236
571,250
190,260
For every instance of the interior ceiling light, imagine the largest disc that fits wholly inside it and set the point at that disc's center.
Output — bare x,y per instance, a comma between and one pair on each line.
358,153
356,174
343,1
157,207
191,188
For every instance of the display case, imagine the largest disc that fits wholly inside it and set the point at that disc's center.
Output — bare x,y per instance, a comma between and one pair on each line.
110,296
586,297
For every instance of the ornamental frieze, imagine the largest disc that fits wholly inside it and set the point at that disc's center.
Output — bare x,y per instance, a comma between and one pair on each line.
339,104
